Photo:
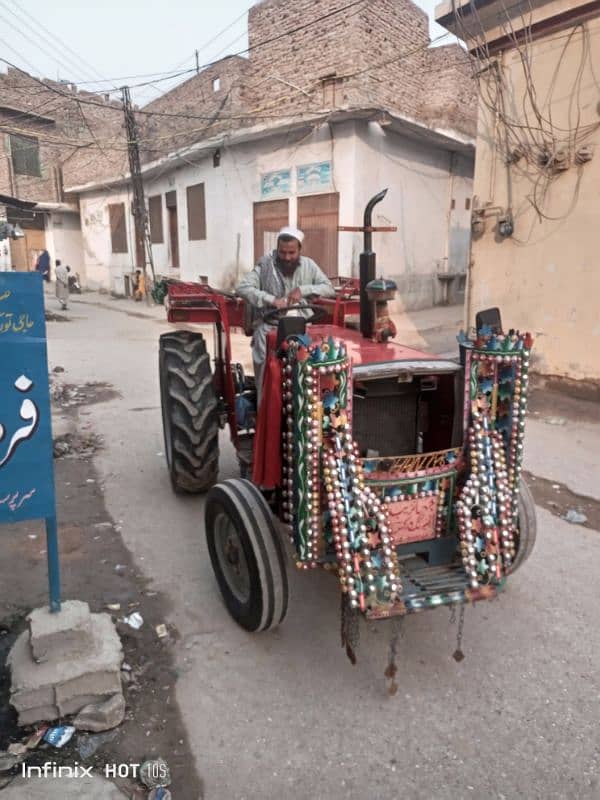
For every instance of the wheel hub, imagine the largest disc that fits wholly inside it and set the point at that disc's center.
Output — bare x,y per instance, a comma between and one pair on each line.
232,558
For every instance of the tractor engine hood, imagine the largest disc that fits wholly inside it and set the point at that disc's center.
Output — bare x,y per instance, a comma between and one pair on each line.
371,360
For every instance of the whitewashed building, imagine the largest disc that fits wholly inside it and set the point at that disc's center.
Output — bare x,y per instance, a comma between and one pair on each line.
215,206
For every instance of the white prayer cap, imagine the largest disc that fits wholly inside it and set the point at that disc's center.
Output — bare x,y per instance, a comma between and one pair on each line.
295,233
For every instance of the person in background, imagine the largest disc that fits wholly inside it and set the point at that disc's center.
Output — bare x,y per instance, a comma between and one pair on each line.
62,284
139,285
282,278
42,265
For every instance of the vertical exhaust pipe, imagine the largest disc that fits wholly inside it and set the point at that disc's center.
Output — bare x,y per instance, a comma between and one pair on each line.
368,265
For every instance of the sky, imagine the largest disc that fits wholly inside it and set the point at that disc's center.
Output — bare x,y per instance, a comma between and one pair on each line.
102,47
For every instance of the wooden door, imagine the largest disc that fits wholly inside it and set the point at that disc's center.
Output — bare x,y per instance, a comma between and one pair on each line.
24,252
171,204
18,255
318,218
269,217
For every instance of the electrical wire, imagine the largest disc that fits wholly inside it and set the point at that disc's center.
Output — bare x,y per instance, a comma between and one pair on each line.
56,39
40,43
246,50
256,114
542,142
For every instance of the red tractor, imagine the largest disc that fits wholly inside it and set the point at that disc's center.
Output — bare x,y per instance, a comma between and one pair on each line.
395,469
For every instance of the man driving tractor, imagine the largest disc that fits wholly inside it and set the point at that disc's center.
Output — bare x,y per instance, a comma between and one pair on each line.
281,279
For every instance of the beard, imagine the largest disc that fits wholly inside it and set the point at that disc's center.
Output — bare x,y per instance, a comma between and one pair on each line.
287,267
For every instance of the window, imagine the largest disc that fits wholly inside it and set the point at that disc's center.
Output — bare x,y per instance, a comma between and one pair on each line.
196,212
25,153
156,222
118,231
216,84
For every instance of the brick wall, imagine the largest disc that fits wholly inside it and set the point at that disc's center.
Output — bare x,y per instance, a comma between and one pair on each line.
377,54
450,91
220,109
64,141
395,35
373,54
330,48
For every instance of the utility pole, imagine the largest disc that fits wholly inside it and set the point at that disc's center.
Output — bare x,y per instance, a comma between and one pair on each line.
140,216
197,63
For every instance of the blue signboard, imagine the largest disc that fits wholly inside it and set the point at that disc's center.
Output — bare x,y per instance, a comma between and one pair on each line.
26,468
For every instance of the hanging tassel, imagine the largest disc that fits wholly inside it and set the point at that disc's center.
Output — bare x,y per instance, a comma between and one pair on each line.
350,632
392,669
458,654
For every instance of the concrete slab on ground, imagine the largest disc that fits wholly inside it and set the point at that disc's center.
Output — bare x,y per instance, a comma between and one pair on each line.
60,635
90,787
65,685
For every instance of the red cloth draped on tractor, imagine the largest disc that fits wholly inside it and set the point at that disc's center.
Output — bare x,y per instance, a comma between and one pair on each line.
266,469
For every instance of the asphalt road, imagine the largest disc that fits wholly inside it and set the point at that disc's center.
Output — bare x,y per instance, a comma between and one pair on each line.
284,714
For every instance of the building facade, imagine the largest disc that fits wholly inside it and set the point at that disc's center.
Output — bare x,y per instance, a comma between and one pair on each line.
537,179
46,133
216,208
303,131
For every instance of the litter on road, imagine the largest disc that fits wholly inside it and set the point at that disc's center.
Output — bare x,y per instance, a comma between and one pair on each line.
575,517
134,620
155,773
59,736
161,631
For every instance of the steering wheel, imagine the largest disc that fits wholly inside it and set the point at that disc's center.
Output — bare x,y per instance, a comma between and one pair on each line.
275,314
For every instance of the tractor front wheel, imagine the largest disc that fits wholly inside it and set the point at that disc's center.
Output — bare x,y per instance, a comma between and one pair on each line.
189,412
527,526
246,554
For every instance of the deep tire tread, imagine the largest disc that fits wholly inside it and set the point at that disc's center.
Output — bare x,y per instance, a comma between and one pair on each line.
189,406
527,526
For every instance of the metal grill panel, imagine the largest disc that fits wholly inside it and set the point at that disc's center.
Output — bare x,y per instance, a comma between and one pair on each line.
419,580
386,419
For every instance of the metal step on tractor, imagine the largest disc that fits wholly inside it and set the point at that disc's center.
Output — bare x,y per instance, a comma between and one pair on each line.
397,470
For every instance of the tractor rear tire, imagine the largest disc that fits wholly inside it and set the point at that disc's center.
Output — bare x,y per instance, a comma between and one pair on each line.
527,527
247,555
189,412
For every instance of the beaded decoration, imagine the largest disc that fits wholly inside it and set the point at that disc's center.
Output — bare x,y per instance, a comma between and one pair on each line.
341,515
496,372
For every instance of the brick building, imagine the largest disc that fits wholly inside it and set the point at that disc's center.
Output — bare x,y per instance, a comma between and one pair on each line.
49,139
332,103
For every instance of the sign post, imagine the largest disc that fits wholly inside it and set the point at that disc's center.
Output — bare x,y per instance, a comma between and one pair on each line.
26,466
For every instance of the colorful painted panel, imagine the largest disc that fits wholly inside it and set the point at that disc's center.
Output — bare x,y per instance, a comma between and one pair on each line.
326,500
418,491
412,519
313,177
276,184
496,382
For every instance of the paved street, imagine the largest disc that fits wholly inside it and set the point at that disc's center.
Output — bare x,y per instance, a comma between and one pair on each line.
284,714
